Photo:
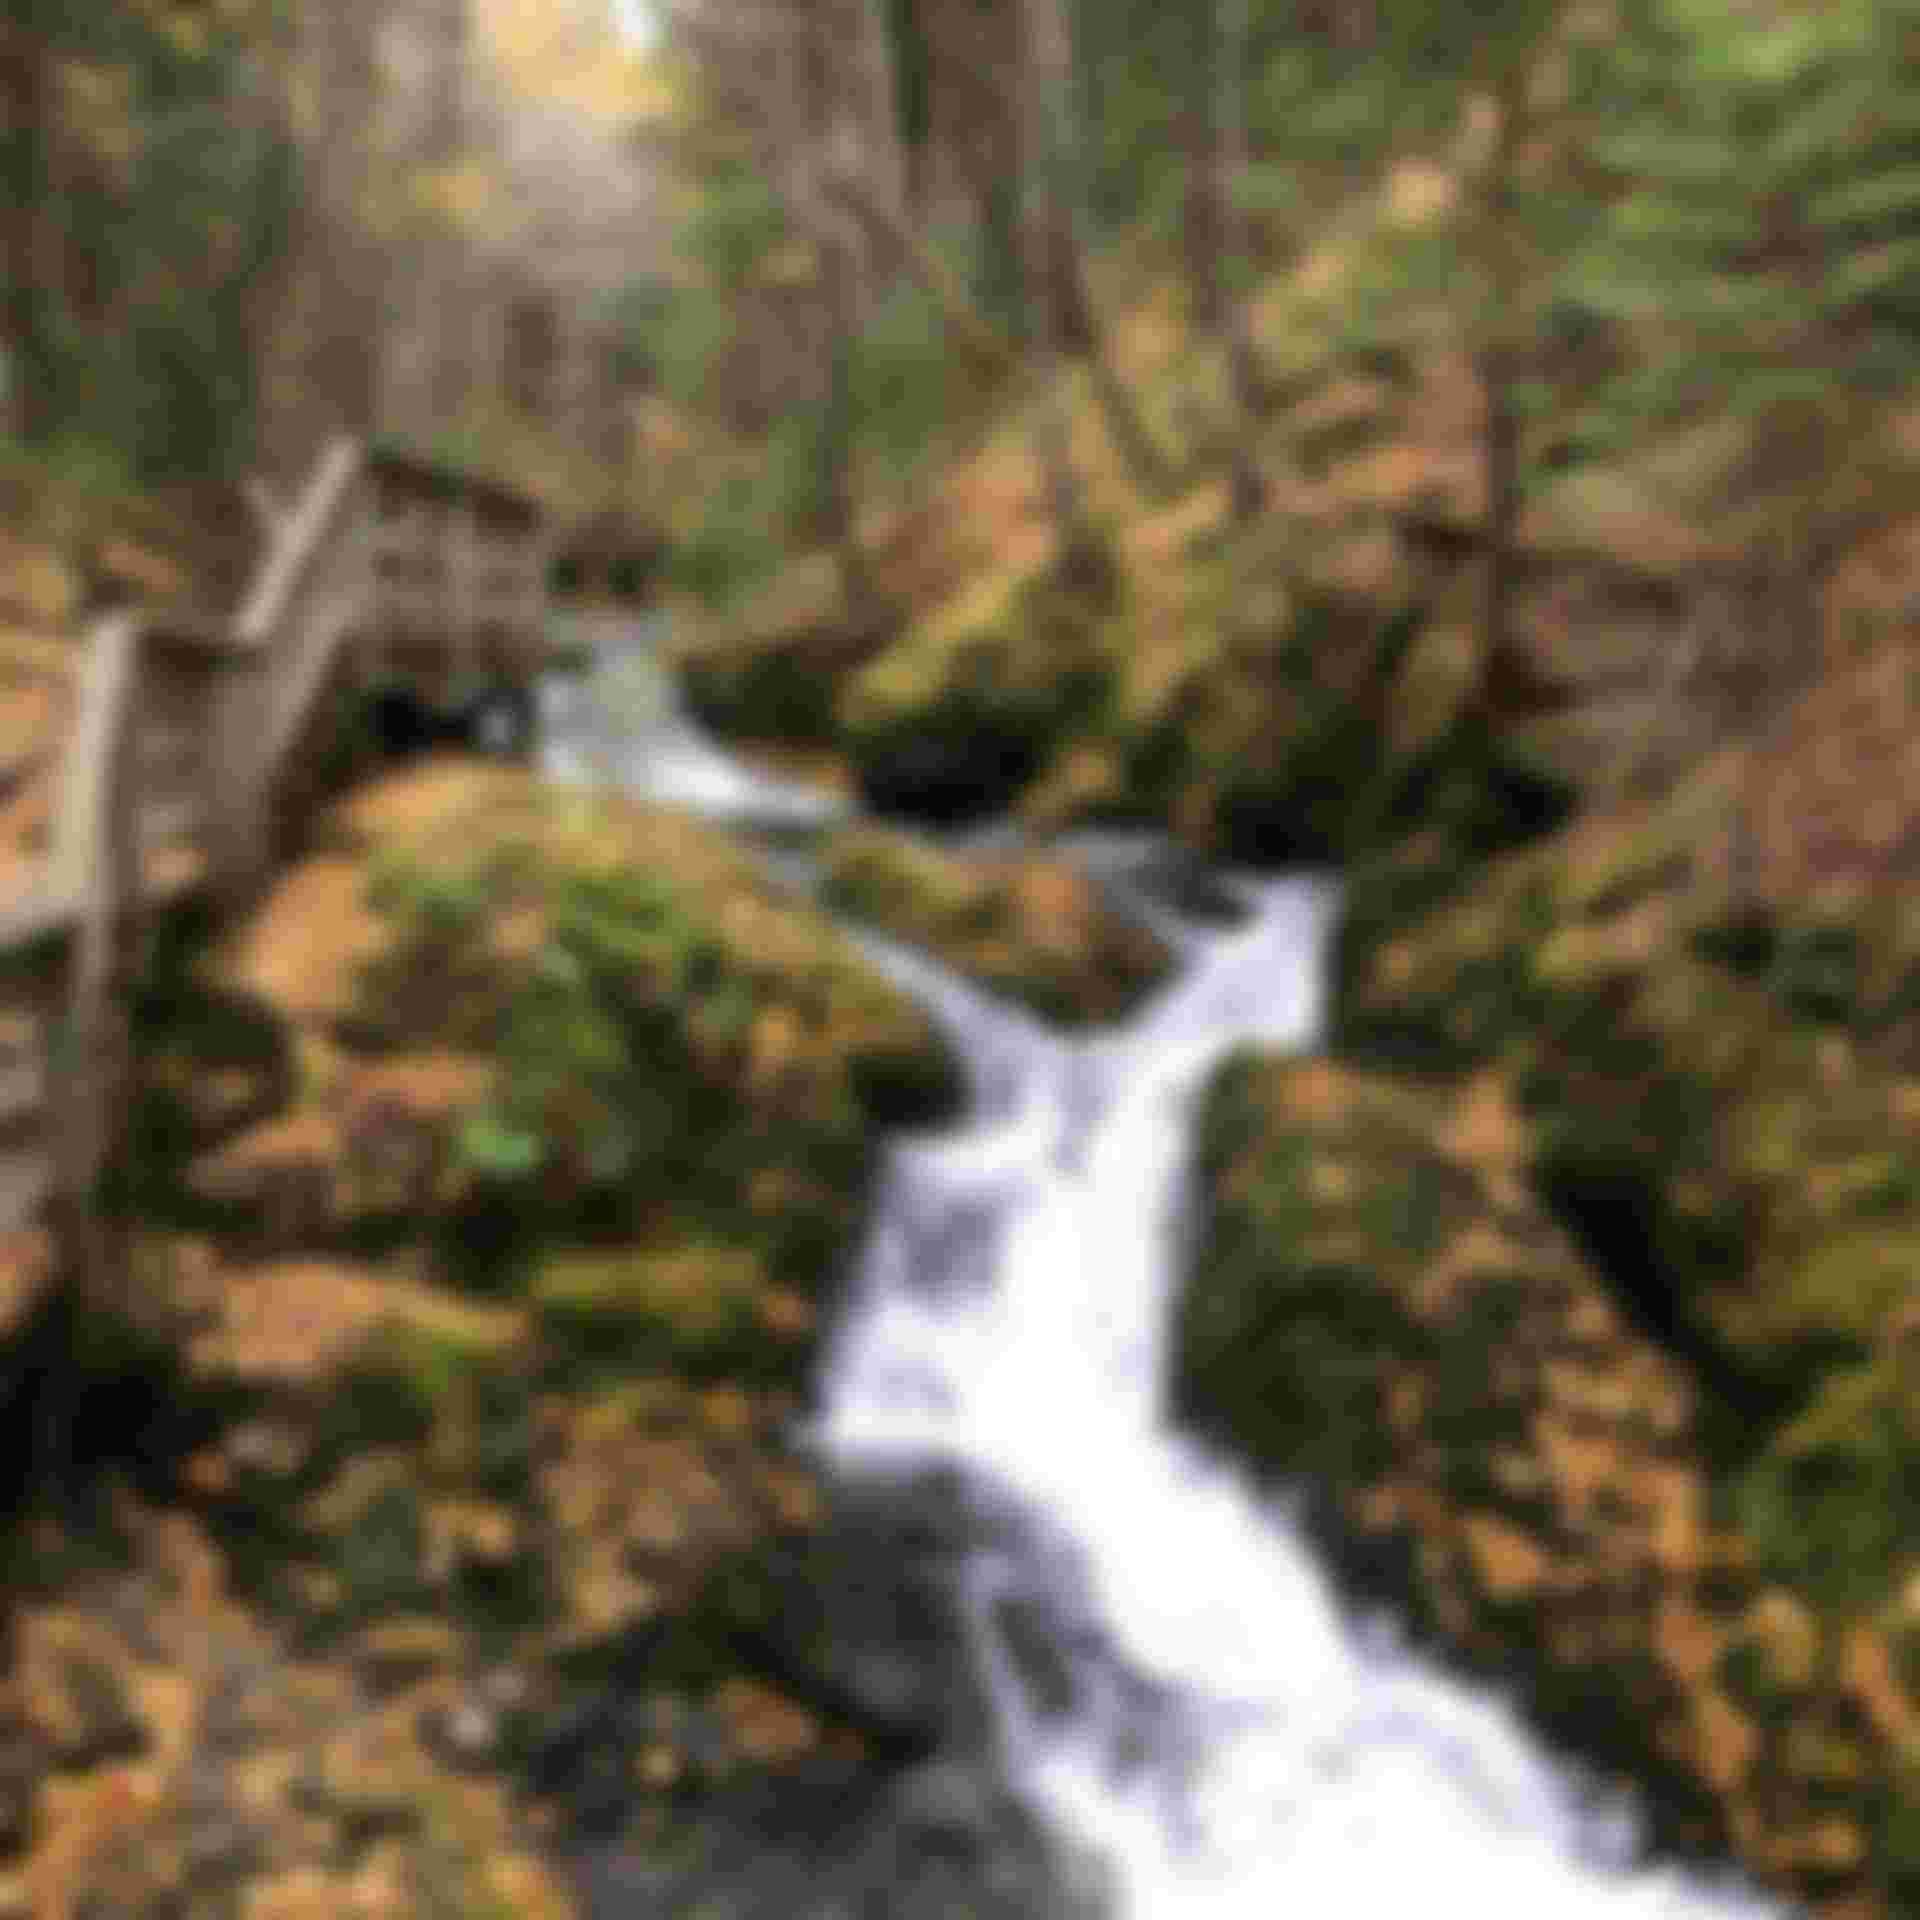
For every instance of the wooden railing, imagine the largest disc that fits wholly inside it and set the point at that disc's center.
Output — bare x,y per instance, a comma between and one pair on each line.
176,770
314,592
168,781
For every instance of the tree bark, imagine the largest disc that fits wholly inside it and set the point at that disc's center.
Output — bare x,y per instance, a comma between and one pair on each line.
827,128
973,331
1248,484
1045,64
1202,240
25,87
1496,368
1051,224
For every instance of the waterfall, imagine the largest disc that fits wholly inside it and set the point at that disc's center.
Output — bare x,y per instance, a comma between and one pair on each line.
1225,1738
1231,1742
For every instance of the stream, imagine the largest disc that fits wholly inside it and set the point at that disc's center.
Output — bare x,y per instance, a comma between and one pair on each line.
1167,1686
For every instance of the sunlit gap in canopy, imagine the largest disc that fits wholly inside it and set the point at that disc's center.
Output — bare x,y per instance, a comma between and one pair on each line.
636,22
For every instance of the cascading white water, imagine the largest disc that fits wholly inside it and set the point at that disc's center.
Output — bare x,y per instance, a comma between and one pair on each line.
1233,1746
624,723
1229,1742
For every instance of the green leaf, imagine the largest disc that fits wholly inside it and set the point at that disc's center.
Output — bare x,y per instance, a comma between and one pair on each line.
497,1147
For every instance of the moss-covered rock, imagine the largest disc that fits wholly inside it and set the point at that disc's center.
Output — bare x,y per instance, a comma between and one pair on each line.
955,717
1383,1309
1289,694
1032,926
772,670
1707,1085
492,1331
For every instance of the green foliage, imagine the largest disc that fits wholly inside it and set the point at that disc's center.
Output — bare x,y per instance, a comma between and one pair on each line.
640,314
160,213
1831,1504
1767,234
738,221
437,904
736,543
904,382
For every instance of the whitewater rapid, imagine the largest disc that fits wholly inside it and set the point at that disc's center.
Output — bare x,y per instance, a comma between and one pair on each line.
1230,1743
1227,1740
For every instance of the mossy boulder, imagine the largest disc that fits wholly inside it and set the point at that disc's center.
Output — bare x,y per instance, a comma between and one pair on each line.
1705,1027
1267,738
1032,926
1284,699
1709,1103
497,1325
1383,1310
698,1310
772,669
954,718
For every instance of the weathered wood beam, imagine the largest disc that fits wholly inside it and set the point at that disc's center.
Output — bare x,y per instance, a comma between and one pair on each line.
302,536
96,869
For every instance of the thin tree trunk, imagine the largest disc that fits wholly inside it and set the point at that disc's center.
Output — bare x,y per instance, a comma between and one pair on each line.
1153,472
840,514
1248,483
1044,58
24,84
1201,241
822,112
1494,363
973,331
1052,219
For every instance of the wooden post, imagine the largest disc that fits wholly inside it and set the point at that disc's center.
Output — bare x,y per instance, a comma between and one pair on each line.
269,677
96,867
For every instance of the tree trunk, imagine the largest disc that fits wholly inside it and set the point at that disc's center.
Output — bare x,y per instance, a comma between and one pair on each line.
1202,241
24,84
828,128
1495,364
973,331
1045,68
1053,240
1230,48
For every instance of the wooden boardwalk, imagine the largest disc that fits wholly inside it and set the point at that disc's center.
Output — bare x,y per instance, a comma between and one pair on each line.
188,756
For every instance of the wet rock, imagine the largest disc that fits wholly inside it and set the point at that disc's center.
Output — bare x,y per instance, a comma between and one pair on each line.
948,1800
956,716
947,1844
969,777
874,1630
1030,925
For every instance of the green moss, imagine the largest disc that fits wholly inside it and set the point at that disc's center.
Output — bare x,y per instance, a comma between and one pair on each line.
685,1309
987,701
380,1556
1833,1505
1031,928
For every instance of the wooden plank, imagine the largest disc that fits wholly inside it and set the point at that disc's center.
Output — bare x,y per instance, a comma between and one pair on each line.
23,1098
101,728
190,632
434,613
26,1183
300,542
40,915
171,761
175,816
98,867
